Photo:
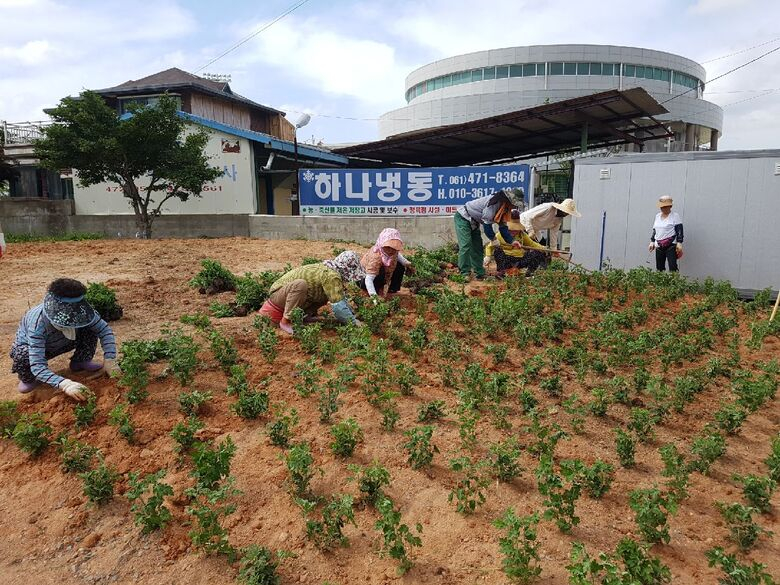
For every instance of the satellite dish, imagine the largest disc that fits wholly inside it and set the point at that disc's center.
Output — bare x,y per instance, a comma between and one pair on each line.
303,120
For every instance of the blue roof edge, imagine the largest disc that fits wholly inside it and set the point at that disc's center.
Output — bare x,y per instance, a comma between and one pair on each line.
313,154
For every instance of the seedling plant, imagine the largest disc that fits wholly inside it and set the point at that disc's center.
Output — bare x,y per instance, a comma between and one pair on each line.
519,547
150,512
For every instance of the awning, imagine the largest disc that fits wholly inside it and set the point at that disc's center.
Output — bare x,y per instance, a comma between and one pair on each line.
593,121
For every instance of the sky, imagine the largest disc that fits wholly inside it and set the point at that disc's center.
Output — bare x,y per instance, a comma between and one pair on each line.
344,62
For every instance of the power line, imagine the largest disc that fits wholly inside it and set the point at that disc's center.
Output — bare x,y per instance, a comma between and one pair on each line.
740,52
292,8
723,74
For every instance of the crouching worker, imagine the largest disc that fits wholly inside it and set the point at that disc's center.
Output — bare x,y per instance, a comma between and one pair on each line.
310,287
64,322
530,257
384,262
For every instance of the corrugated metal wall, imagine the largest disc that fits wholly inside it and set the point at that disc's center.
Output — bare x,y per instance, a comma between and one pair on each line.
729,203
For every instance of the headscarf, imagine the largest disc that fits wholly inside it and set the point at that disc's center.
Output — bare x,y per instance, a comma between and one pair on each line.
347,264
385,236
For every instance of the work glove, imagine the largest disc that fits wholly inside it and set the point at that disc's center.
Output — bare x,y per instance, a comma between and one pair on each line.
651,246
678,248
516,244
110,366
375,300
73,389
358,323
486,261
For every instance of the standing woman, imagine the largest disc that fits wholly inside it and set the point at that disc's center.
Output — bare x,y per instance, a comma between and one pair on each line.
485,211
384,262
667,236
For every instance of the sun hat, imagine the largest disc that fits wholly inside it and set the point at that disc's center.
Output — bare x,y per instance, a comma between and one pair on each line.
64,311
516,197
514,225
568,206
665,201
394,244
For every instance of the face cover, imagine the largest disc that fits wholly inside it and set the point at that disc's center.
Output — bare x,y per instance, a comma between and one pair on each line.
68,332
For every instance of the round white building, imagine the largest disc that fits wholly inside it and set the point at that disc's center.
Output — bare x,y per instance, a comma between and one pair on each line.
487,83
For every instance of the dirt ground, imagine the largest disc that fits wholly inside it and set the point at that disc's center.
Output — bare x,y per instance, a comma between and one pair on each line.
52,535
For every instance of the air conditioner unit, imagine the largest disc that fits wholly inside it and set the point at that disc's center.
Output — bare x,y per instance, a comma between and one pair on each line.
777,168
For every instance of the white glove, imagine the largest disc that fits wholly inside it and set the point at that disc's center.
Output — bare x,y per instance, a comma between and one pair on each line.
651,246
486,261
73,389
375,300
110,366
358,322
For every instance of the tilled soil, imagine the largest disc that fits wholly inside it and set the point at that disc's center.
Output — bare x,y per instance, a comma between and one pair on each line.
53,535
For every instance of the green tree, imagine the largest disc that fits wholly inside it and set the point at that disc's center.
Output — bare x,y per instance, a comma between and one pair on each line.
152,147
7,170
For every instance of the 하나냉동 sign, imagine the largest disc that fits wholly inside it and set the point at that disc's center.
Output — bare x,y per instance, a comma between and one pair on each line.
412,191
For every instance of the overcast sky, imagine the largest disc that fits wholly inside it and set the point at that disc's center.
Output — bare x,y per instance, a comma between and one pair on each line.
345,61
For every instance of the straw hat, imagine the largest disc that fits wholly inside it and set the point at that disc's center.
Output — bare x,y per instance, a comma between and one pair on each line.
514,225
394,244
665,201
568,206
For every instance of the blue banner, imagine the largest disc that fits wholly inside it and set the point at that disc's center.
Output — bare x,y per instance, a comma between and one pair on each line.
403,191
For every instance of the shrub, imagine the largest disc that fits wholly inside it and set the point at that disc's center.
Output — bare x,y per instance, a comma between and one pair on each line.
552,386
299,463
597,478
190,403
184,434
638,567
642,423
211,464
280,430
224,350
431,411
735,572
757,490
370,479
707,449
469,490
397,537
677,470
134,375
519,546
600,401
773,460
103,300
120,418
32,433
182,356
267,338
346,435
503,459
407,378
742,530
328,532
258,567
419,446
561,492
151,513
213,278
251,404
626,447
652,509
209,507
9,416
99,483
498,351
76,456
252,290
86,411
730,418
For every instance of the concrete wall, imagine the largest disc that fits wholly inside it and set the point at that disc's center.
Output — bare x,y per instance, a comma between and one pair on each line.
42,217
430,232
233,192
35,216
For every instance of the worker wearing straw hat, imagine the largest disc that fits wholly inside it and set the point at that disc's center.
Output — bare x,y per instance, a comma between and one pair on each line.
548,216
667,236
530,257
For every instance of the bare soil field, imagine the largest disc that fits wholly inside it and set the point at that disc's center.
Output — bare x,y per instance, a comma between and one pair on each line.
53,534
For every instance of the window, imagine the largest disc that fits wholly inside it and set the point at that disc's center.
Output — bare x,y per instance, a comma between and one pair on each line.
429,85
457,78
540,68
124,105
629,70
515,71
649,72
446,81
595,68
476,75
583,68
665,75
438,83
570,69
640,71
529,69
556,68
489,73
502,71
606,68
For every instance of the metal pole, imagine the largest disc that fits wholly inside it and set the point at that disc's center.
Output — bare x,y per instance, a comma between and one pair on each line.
777,302
296,202
603,229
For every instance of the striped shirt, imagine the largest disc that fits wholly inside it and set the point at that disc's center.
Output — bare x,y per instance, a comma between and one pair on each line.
325,284
42,339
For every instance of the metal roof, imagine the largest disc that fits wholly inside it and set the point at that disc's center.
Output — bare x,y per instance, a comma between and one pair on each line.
600,119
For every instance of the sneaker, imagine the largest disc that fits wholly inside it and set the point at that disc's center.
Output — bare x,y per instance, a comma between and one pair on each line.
89,366
25,387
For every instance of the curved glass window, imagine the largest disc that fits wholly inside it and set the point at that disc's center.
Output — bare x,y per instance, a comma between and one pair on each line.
552,68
